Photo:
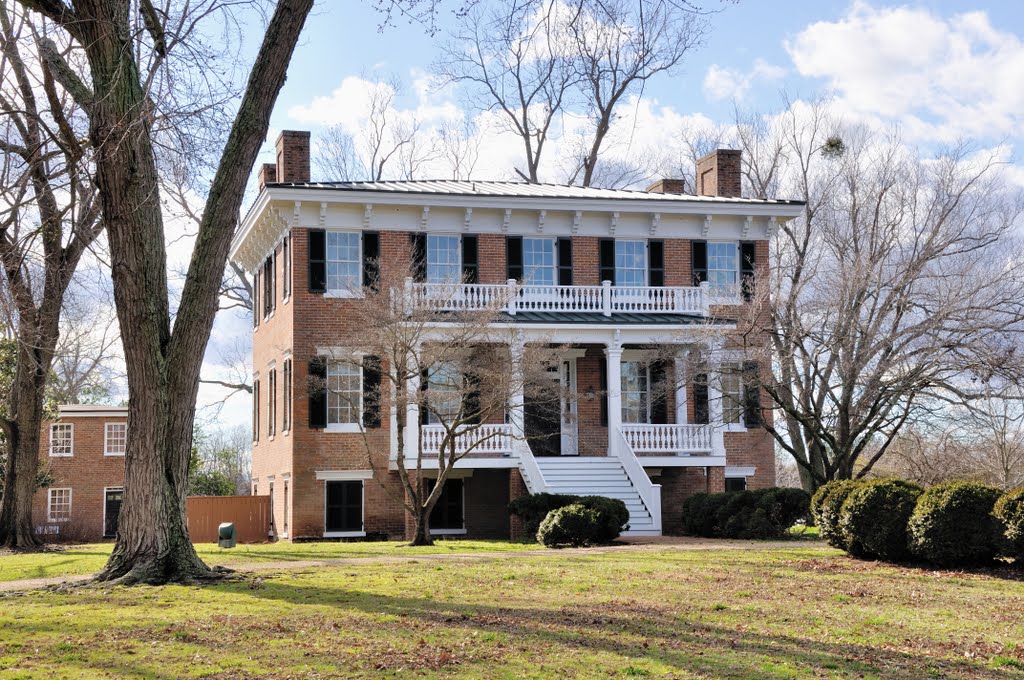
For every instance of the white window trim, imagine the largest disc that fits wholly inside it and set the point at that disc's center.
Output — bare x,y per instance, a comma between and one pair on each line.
286,269
362,519
647,260
343,475
62,455
49,503
740,425
553,241
345,428
737,471
454,532
638,358
357,292
106,439
734,297
458,252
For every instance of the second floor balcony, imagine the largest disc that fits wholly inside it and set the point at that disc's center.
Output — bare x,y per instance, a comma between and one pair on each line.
605,299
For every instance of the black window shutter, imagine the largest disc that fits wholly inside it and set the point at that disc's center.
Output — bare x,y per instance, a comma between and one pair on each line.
419,256
699,251
471,398
256,311
514,257
371,259
565,261
747,269
701,412
656,263
751,395
423,396
371,392
318,393
602,370
470,260
317,261
606,259
659,393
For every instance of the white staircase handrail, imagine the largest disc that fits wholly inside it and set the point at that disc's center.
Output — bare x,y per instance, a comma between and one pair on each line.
532,475
650,493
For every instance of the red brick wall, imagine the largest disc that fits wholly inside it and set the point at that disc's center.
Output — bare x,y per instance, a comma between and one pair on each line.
87,473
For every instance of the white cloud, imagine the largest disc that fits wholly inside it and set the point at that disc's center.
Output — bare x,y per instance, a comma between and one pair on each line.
940,78
727,83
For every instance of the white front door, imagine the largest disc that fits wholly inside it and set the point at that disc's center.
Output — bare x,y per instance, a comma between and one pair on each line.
570,422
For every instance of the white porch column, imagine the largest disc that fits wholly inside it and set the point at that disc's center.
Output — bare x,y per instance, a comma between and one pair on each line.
412,418
680,378
613,350
715,402
516,401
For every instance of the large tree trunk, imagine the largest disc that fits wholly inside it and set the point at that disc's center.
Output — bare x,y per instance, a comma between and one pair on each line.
421,533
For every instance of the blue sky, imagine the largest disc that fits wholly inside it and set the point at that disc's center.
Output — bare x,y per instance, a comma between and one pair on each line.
940,70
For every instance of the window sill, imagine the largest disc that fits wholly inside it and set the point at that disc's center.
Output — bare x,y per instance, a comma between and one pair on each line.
113,455
62,455
344,534
447,532
344,428
344,294
734,427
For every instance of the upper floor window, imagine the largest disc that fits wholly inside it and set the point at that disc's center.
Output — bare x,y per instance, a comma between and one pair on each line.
539,261
344,264
286,267
636,392
62,439
444,263
271,402
286,416
630,263
444,392
115,439
723,266
344,393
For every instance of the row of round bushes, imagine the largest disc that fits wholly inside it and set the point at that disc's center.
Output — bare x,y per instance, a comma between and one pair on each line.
952,524
558,520
758,514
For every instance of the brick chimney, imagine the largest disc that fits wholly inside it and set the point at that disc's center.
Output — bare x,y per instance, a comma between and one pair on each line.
267,175
719,173
668,186
293,156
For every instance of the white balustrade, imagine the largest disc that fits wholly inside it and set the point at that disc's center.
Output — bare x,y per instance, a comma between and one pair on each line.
650,493
513,298
672,439
479,440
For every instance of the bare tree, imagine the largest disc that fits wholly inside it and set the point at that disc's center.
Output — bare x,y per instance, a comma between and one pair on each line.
616,47
88,348
453,370
897,289
510,58
459,146
49,216
118,78
994,428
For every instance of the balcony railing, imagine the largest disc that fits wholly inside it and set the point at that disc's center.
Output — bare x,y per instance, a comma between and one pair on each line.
668,439
481,440
512,298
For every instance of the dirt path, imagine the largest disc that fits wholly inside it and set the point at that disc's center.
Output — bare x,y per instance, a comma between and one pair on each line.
624,545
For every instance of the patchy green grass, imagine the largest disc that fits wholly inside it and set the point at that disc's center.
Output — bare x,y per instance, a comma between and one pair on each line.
780,612
89,558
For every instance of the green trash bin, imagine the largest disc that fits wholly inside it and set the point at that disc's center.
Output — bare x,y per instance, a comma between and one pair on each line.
226,535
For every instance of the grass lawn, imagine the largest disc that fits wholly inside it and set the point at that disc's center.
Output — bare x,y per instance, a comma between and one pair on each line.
89,558
800,611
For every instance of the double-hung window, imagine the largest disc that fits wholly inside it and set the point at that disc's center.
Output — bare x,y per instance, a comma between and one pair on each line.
539,262
272,402
344,264
58,507
723,267
286,416
62,440
636,392
444,392
732,394
444,258
630,263
344,393
115,439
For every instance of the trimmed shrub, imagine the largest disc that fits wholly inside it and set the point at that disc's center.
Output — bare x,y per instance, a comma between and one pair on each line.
1009,510
760,514
532,509
573,525
612,516
953,525
700,513
826,504
875,515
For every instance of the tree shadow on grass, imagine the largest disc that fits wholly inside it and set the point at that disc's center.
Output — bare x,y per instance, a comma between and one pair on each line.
644,633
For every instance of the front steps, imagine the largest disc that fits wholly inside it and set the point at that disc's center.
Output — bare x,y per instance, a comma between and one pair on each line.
598,476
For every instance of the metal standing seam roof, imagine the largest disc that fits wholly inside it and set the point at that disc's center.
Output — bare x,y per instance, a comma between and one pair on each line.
503,189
